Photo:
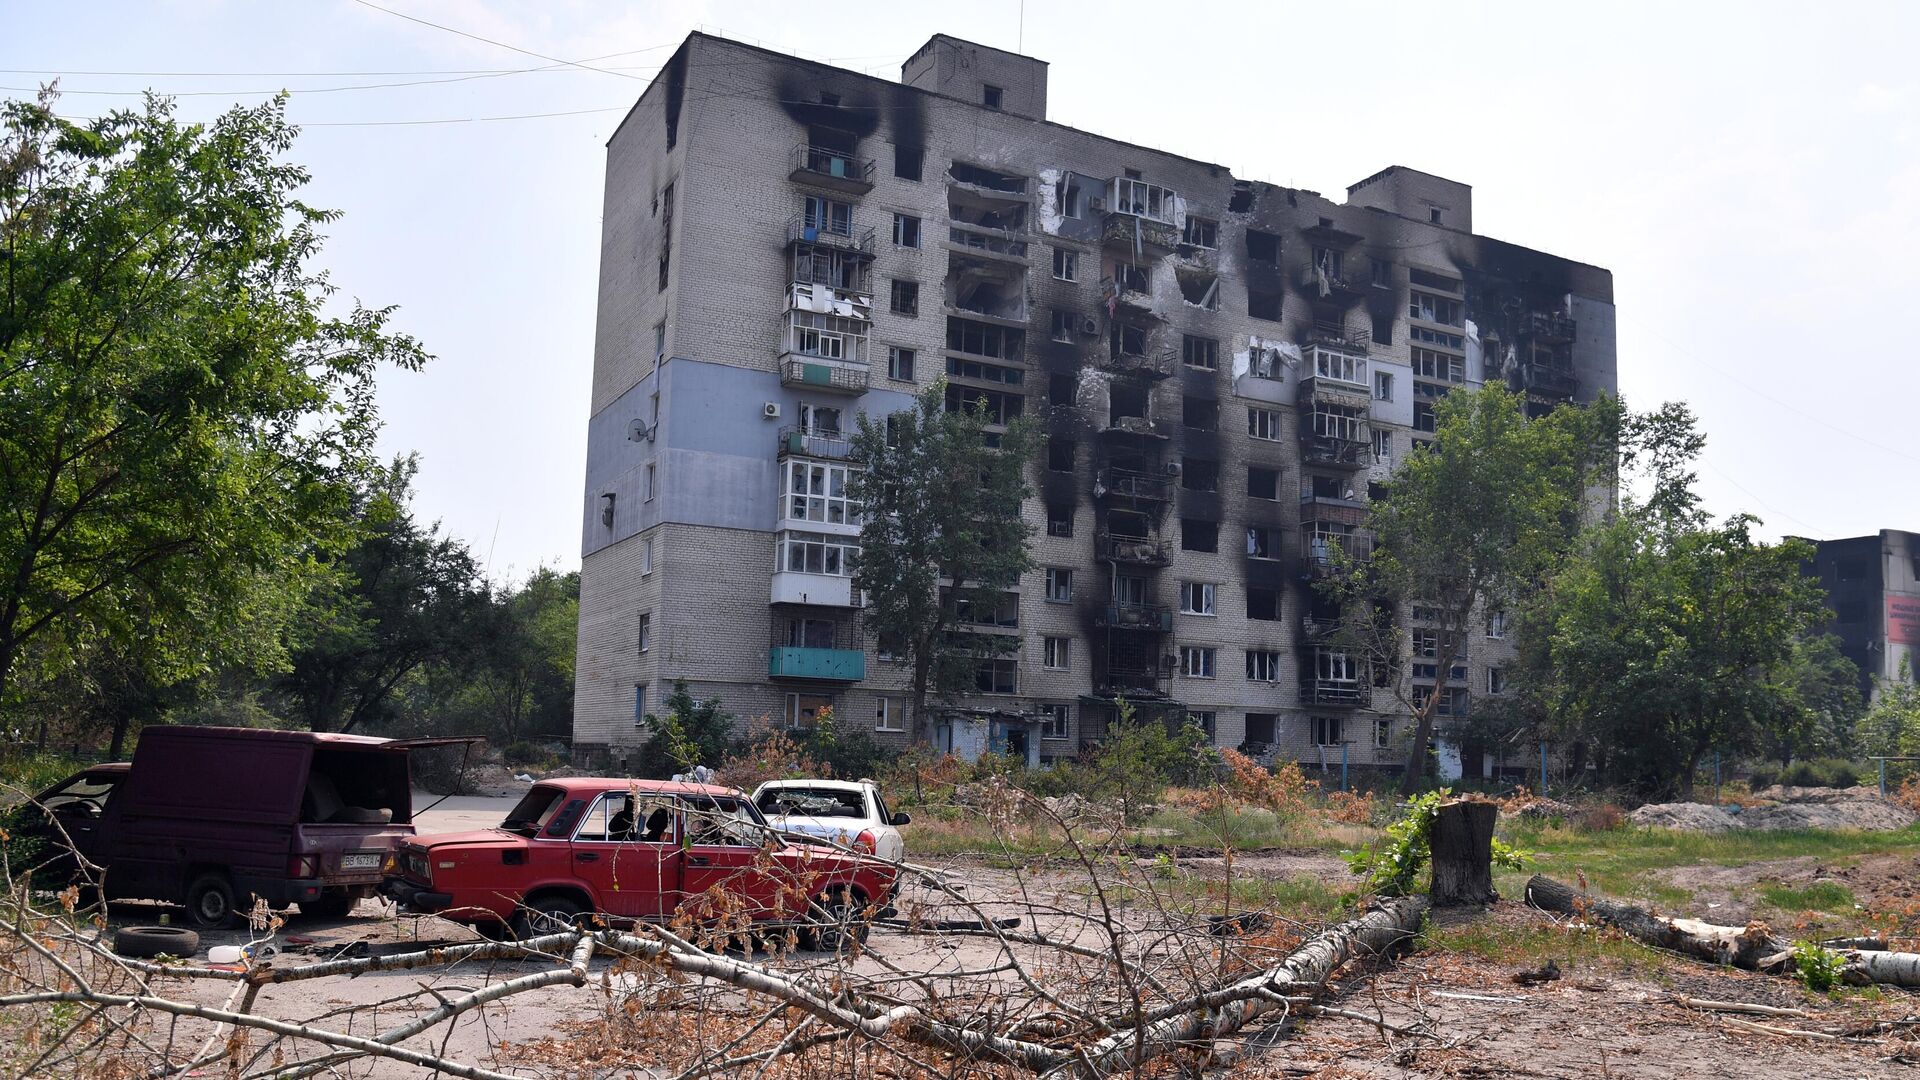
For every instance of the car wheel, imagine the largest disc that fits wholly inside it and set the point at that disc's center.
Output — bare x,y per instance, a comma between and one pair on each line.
143,942
836,924
329,907
548,915
210,902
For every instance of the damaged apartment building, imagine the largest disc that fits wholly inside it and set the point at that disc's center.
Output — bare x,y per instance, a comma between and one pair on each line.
1225,372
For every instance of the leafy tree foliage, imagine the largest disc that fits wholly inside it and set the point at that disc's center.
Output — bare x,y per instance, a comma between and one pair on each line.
402,597
1892,725
943,534
1824,704
182,420
689,733
1466,524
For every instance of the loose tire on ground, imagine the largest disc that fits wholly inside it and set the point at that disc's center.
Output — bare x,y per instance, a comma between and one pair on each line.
144,942
210,902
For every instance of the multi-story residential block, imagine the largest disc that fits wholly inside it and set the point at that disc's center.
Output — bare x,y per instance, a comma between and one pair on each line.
1873,588
1224,370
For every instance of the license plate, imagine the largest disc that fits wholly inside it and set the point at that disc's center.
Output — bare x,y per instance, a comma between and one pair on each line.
366,861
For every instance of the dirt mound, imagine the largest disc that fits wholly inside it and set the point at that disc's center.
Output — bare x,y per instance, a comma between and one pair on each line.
1783,808
1691,816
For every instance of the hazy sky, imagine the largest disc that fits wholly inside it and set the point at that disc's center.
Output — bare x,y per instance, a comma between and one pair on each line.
1749,171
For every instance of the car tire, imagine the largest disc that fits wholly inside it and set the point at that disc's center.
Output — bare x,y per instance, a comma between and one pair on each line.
146,942
210,902
330,906
835,922
547,915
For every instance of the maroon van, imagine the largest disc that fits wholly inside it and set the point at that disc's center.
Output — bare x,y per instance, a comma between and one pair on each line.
213,817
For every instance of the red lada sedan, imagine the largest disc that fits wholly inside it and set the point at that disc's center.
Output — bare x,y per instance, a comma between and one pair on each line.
631,851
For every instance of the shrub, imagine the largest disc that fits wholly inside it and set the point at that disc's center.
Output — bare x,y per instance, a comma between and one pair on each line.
1763,776
1817,967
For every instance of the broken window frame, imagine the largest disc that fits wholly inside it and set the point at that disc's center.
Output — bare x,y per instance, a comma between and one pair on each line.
1200,353
1328,730
1256,473
828,216
1209,531
1263,665
1433,308
1198,661
1056,653
800,552
1060,520
1058,585
997,675
900,363
1263,542
1137,198
1197,597
1200,232
903,297
906,230
1263,424
1066,264
817,491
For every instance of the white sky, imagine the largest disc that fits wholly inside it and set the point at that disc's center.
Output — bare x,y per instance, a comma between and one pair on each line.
1749,171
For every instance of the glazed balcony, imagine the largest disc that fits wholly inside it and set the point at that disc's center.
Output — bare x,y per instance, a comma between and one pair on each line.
836,170
1334,452
1319,551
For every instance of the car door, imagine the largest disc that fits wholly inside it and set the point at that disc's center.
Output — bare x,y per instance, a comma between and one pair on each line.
629,869
724,872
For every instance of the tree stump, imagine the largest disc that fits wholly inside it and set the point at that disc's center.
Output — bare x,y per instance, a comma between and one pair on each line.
1462,844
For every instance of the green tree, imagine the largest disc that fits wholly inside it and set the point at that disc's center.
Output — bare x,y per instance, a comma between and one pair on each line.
182,420
1824,704
522,667
943,535
690,733
1464,526
1669,642
402,597
1891,725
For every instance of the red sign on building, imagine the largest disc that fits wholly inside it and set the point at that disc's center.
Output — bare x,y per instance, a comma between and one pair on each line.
1903,620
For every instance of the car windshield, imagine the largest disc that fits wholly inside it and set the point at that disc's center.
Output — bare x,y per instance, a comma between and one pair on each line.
812,802
536,809
88,791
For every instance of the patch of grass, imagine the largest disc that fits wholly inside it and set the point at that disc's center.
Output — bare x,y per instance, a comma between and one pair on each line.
1535,944
1618,861
1819,896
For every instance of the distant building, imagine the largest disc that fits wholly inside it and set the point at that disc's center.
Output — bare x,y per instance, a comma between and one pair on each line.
1873,587
1224,367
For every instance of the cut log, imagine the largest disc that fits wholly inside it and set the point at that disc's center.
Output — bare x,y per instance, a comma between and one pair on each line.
1220,1013
1462,844
1739,946
1753,947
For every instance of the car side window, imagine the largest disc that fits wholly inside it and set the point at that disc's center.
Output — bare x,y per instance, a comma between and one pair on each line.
622,818
721,822
82,794
562,825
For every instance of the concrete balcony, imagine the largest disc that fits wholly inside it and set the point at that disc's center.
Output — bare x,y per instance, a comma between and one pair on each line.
801,231
1133,550
1335,693
1149,618
799,442
1133,488
1335,453
986,240
823,665
835,170
1547,327
1318,284
819,590
823,376
1548,380
1319,556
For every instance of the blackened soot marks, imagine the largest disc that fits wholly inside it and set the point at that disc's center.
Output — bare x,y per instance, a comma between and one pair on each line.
676,92
857,110
907,117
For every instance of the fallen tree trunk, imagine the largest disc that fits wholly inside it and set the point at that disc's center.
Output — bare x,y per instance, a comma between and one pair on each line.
1753,947
1222,1012
1738,946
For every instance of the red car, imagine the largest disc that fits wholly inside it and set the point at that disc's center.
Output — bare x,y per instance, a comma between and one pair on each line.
631,851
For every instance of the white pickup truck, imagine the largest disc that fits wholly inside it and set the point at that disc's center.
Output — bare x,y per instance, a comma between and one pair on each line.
847,812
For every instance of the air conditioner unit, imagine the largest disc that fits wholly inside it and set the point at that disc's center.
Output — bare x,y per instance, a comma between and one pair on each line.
1097,204
771,410
1173,468
1089,325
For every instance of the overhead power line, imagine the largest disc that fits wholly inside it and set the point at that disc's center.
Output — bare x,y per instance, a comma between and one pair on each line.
496,44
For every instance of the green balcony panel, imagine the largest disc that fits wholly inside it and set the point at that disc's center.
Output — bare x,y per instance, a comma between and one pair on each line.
836,665
817,375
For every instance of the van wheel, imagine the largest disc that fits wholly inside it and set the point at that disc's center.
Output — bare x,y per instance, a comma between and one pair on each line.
547,915
210,902
330,906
